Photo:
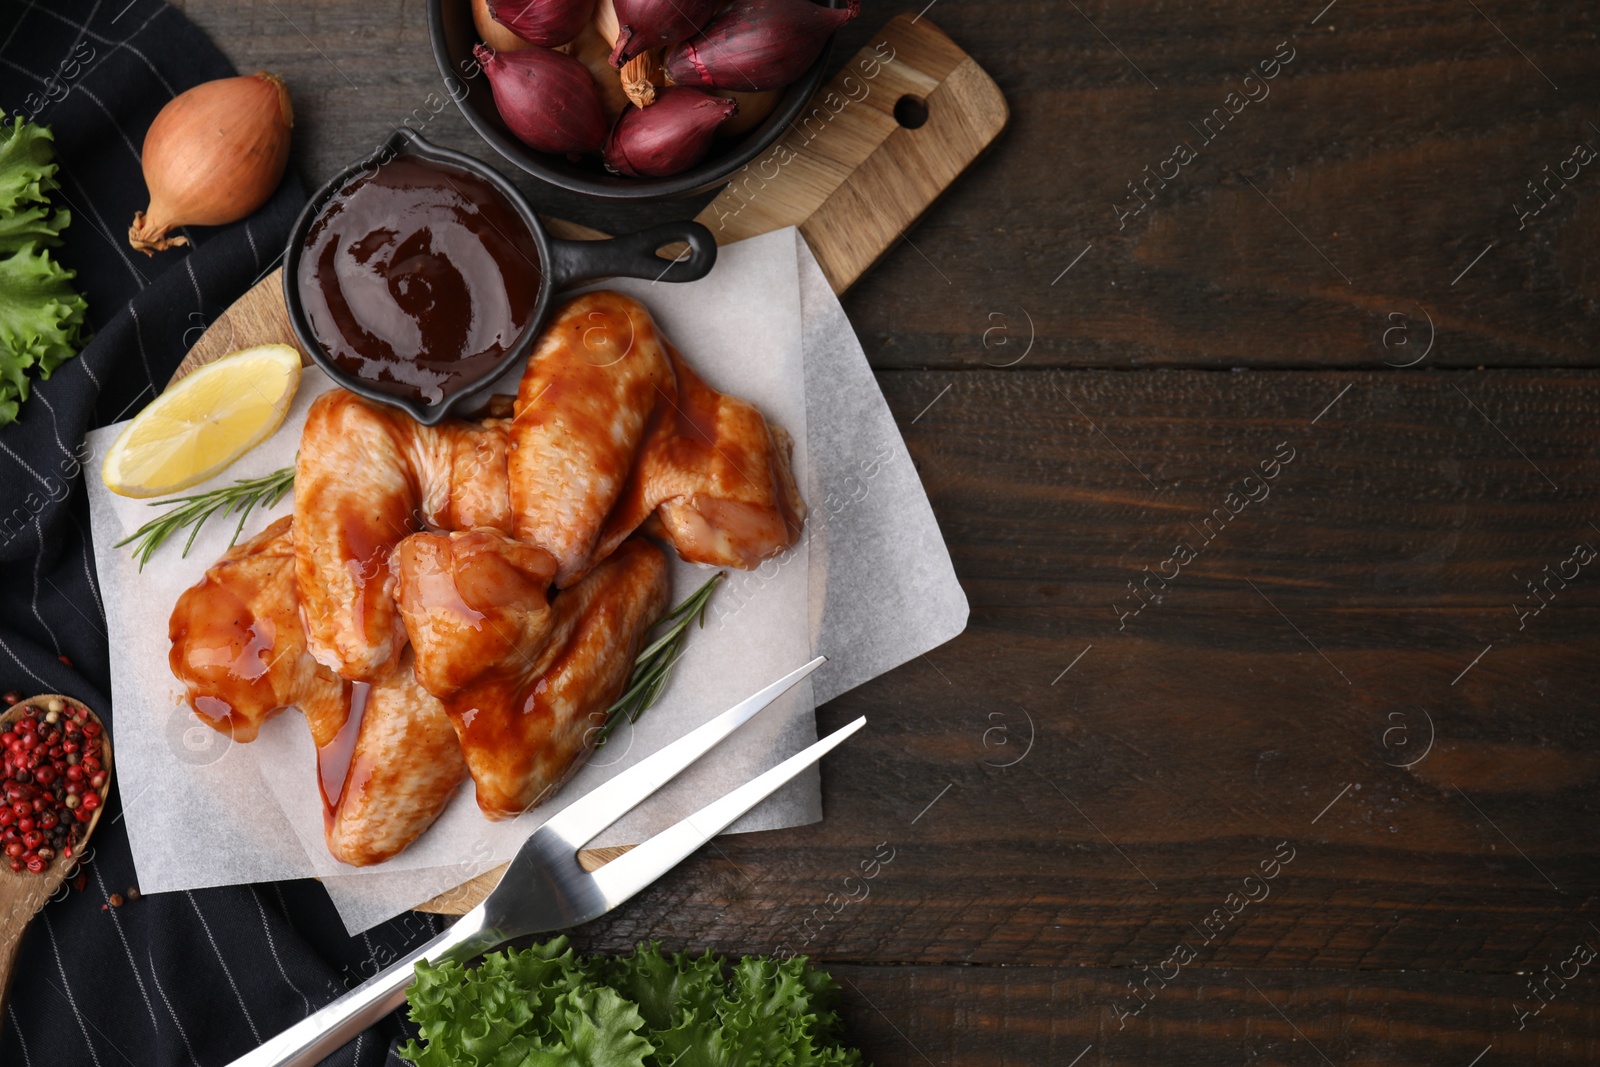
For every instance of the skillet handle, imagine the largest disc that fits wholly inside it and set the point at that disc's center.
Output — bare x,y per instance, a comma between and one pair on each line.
633,255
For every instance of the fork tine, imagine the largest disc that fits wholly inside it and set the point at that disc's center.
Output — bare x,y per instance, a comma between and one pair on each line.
627,874
605,804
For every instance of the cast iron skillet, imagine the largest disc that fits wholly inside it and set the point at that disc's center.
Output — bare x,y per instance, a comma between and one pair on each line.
563,263
451,31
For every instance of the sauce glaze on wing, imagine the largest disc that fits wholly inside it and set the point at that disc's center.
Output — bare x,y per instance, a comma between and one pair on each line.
237,645
387,757
366,476
524,733
596,374
401,768
420,564
474,604
717,476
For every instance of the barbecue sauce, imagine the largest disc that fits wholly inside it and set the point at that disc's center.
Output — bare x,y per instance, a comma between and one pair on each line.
417,278
334,758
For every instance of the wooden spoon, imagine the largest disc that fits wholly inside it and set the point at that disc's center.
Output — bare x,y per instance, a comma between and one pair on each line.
22,895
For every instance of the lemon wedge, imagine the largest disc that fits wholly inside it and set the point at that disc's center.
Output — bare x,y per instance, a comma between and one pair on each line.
203,423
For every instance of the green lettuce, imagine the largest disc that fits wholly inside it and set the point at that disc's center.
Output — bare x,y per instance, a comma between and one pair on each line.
546,1006
41,314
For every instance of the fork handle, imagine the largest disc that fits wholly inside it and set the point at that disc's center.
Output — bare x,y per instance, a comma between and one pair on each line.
319,1034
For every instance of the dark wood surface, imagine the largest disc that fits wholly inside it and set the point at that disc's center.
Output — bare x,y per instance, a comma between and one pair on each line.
1341,673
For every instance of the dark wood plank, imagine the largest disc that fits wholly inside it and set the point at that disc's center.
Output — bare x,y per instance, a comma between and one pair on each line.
914,1016
1395,145
1178,751
1281,692
1396,142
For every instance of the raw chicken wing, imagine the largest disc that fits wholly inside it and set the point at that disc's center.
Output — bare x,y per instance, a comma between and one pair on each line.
409,609
388,759
366,476
594,378
473,604
527,724
238,648
716,475
390,771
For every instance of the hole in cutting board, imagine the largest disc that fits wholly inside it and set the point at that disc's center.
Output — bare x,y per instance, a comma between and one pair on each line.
911,111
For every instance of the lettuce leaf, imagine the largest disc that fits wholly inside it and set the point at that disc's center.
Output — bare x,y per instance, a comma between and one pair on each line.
546,1007
27,173
41,314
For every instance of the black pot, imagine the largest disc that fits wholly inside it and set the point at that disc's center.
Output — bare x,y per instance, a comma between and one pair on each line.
452,33
564,263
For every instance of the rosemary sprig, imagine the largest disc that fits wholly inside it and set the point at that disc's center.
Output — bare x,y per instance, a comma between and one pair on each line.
193,511
652,668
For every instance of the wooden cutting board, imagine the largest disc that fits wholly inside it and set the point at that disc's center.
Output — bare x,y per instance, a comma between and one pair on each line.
883,140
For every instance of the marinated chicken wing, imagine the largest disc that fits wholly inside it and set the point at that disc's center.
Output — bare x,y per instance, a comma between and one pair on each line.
366,476
716,475
594,378
390,771
237,645
408,609
474,604
388,759
526,726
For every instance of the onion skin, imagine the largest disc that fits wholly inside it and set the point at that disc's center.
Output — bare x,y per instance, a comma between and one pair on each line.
753,107
641,76
649,24
591,49
755,45
212,156
669,136
493,33
543,22
605,20
548,99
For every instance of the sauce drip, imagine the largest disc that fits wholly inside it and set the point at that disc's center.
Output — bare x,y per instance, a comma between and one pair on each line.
418,277
224,653
333,758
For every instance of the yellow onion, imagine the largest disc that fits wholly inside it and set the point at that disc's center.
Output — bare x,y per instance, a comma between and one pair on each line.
592,51
605,20
212,156
753,107
495,34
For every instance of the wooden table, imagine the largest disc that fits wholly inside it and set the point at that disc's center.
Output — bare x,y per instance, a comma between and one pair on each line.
1351,685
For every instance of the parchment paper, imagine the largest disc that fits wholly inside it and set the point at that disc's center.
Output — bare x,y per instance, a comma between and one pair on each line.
870,585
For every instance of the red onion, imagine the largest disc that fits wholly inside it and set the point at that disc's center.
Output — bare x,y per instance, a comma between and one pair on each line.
650,24
543,22
758,44
547,98
670,135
